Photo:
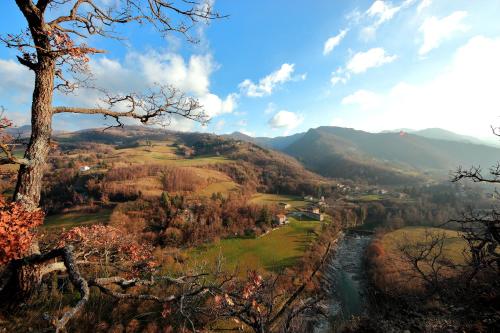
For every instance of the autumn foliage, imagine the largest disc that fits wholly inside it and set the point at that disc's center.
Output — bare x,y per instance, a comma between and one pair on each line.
16,233
105,245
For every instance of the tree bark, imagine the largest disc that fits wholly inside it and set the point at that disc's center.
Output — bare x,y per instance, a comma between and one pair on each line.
29,181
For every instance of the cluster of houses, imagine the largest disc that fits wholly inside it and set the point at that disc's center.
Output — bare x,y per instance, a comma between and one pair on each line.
311,212
353,192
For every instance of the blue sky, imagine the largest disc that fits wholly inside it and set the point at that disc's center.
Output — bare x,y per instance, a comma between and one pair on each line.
280,67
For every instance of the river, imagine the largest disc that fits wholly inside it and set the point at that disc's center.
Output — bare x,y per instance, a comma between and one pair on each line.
343,277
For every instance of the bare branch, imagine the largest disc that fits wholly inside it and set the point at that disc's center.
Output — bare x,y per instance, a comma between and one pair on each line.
158,106
299,290
66,253
475,175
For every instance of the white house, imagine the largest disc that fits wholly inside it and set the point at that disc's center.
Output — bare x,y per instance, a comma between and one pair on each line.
284,205
84,168
280,219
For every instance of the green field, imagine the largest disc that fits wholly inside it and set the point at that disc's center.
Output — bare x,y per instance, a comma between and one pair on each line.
454,243
274,199
274,251
223,187
370,197
74,219
163,153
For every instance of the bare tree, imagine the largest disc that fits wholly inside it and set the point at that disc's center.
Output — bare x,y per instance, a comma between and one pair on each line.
480,228
53,47
426,258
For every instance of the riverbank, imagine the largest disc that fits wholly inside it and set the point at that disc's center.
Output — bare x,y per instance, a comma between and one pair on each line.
345,281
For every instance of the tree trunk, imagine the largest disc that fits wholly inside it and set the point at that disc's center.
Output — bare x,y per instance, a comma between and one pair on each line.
29,180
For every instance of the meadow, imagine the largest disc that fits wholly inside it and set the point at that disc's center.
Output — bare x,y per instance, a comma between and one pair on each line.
274,199
278,249
453,245
77,218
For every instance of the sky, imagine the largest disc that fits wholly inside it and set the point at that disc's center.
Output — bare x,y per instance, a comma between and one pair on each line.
274,68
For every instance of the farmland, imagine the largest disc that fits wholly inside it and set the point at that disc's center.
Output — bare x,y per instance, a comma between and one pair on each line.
274,251
74,219
274,199
453,248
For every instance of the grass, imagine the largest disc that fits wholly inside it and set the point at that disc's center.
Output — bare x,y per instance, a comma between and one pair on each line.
274,251
163,153
453,247
223,187
74,219
370,197
274,199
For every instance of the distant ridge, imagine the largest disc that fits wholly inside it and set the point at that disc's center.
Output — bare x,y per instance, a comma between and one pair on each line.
442,134
278,143
384,157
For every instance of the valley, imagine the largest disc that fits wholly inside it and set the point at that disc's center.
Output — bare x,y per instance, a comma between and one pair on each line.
205,166
208,202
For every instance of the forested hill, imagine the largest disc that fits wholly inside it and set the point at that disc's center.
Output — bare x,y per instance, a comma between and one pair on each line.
248,164
377,158
382,157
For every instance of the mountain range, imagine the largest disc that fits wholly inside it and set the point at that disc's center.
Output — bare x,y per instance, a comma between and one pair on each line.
390,157
385,158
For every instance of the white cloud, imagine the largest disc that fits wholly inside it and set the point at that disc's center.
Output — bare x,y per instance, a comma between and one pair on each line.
354,16
335,79
423,5
285,119
463,98
266,85
368,33
436,30
380,12
136,73
365,99
334,41
170,68
214,105
362,61
16,83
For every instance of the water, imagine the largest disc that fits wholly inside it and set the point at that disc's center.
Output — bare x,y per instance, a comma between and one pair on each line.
344,281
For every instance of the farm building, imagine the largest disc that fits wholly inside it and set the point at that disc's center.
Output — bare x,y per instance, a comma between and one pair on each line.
315,216
284,205
313,212
280,219
313,209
